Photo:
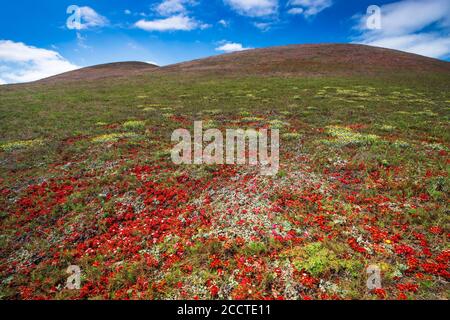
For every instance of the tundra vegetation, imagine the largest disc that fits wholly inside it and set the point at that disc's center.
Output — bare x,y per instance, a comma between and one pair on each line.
86,179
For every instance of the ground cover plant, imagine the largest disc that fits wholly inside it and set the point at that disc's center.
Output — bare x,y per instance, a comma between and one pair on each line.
86,179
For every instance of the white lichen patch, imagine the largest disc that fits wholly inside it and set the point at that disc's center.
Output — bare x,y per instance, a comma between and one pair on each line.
436,146
401,144
278,124
252,119
213,111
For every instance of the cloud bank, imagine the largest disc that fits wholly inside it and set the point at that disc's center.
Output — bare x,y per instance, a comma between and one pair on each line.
406,25
308,8
254,8
22,63
89,18
175,17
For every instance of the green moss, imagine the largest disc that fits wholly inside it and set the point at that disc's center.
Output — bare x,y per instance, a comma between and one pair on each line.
113,137
213,111
387,128
345,136
23,144
255,248
209,124
134,125
291,136
318,260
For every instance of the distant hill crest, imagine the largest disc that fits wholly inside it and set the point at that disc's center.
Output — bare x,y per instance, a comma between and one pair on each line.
302,60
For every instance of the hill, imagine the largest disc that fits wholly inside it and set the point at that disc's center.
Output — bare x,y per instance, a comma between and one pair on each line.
304,60
102,71
87,179
317,59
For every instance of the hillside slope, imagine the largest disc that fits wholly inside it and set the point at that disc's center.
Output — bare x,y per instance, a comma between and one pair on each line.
317,59
304,60
108,70
87,179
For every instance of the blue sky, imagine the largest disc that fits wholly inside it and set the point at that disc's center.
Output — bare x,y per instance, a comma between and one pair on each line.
36,39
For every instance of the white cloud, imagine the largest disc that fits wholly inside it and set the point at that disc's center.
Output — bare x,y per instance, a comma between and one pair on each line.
409,16
89,18
170,7
92,18
295,11
416,26
426,44
263,26
153,63
81,41
175,17
231,47
309,8
22,63
175,23
254,8
127,11
224,23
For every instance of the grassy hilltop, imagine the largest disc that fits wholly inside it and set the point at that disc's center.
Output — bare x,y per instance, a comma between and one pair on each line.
86,179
